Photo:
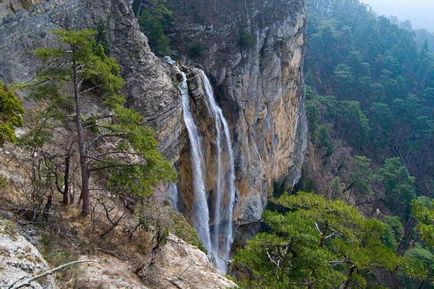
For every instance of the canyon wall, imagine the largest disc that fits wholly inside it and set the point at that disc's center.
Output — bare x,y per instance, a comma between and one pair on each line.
253,51
26,25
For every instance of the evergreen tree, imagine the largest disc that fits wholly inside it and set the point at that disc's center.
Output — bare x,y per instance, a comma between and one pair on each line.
311,242
76,71
398,186
11,114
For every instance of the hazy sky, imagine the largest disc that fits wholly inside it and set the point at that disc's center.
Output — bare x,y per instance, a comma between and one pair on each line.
419,12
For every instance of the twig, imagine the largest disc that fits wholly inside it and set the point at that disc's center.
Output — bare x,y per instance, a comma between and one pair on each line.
49,272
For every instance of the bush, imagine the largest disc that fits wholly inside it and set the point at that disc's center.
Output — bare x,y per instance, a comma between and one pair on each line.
11,114
154,20
195,50
246,40
154,30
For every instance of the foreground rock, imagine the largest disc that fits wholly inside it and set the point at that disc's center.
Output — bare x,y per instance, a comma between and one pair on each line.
20,260
180,265
107,272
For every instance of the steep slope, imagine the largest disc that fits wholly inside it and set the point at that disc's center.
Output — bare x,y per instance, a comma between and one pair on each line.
252,52
149,87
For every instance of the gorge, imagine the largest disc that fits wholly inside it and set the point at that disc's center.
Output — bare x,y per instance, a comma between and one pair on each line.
232,122
164,144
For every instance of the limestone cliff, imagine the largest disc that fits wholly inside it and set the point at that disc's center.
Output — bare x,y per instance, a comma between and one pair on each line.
258,83
254,51
25,25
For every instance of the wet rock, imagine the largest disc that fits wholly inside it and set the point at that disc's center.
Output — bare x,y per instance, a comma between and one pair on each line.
259,87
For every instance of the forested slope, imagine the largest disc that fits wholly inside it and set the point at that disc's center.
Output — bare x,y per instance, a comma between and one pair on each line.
370,93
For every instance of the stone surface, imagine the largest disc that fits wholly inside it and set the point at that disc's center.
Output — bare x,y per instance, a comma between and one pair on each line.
149,86
180,265
107,273
20,260
260,88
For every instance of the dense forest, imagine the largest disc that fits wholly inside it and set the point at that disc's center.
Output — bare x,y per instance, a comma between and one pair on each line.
370,92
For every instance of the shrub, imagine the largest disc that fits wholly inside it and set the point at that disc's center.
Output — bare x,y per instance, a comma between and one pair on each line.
195,49
246,40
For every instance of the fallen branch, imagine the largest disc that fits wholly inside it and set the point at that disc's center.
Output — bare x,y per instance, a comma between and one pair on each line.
49,272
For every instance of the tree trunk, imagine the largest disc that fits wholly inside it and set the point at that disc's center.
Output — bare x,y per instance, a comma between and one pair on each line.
65,200
407,233
347,283
80,137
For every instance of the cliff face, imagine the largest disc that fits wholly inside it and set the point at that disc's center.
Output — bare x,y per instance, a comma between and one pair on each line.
253,51
25,25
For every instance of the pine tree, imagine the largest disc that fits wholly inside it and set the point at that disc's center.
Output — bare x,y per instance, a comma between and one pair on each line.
74,74
311,242
11,114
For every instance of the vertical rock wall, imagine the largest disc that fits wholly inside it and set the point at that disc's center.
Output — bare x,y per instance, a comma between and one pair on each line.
25,25
253,51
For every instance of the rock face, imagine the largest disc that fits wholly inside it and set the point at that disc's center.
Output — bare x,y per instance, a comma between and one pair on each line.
24,27
253,51
107,273
180,265
20,260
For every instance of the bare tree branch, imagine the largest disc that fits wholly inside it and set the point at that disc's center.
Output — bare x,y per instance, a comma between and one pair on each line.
49,272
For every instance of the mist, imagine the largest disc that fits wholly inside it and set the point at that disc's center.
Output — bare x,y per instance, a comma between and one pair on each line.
419,12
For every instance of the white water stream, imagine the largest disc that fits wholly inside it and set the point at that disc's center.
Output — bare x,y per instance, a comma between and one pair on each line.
216,237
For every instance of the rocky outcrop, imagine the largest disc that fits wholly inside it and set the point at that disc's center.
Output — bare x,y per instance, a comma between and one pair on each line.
180,265
106,272
25,25
20,260
253,51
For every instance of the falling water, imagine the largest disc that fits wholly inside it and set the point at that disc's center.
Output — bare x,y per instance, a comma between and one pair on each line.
221,236
174,196
200,207
217,241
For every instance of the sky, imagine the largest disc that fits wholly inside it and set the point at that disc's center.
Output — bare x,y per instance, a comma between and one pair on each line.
419,12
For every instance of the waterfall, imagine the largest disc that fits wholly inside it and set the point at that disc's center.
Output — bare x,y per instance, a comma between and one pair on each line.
200,207
174,196
216,237
221,236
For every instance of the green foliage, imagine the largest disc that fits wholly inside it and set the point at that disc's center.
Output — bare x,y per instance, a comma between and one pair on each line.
315,242
362,175
353,123
336,187
195,50
382,82
246,39
135,165
4,183
394,232
398,186
423,211
324,140
11,114
136,178
154,18
418,264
